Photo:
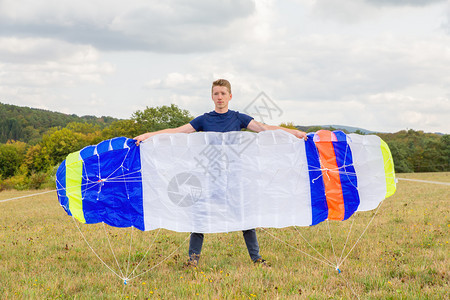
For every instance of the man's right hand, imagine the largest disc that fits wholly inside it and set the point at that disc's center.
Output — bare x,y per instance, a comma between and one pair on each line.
141,138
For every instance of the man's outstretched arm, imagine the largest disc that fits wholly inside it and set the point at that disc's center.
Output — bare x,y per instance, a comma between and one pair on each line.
187,128
258,126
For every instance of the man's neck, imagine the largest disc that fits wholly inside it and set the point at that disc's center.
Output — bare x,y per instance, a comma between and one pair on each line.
221,111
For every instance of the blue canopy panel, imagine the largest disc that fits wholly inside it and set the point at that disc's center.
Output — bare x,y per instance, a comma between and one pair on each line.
111,184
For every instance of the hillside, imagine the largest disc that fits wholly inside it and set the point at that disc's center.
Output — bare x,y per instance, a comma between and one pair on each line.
344,128
28,124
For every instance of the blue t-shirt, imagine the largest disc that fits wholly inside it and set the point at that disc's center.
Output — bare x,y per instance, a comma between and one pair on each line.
213,121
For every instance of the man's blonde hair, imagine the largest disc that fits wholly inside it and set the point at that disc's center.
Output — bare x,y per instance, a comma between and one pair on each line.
222,82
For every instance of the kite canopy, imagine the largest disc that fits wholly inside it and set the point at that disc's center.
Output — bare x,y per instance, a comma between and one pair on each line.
219,182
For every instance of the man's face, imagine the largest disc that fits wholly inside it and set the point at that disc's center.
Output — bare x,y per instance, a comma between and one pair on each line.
221,96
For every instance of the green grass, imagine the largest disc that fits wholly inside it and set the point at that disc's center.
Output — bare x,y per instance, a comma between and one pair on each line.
404,254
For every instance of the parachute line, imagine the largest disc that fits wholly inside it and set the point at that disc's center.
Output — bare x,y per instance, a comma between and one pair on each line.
167,257
331,242
326,262
348,236
92,249
365,229
127,278
145,255
129,251
112,250
320,254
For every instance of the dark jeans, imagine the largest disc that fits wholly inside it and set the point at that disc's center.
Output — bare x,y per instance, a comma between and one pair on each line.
196,243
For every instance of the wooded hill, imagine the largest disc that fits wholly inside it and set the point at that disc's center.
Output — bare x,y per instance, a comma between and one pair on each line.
27,124
34,142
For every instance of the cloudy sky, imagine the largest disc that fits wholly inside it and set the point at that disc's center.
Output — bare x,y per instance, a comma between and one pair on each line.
383,65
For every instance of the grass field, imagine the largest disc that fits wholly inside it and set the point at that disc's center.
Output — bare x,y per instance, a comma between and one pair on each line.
404,254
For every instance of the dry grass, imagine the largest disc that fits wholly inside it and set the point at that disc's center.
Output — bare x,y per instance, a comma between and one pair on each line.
403,255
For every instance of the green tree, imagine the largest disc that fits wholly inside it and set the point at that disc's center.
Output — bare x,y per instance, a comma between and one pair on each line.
82,127
162,117
126,128
10,160
58,143
416,151
442,150
91,132
10,129
314,128
289,125
400,157
37,160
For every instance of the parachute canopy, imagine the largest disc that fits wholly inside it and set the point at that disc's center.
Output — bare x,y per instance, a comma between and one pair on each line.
220,182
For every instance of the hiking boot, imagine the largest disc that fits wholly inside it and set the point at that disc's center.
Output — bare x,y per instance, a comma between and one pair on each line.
193,261
262,262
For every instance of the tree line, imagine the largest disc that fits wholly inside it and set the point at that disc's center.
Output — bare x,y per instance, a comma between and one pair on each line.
32,164
416,151
27,124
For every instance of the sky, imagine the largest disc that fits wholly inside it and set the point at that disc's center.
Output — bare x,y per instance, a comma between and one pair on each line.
381,65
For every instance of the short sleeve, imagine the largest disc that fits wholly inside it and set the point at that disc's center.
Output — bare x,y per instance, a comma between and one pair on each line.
244,119
197,123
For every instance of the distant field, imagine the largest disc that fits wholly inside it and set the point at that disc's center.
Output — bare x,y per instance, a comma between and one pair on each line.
404,254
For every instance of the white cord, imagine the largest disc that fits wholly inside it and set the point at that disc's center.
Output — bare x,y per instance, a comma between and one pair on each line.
162,260
340,263
321,255
26,196
326,262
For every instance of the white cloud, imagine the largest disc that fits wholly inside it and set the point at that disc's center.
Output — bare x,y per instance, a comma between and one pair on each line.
343,11
402,111
332,80
45,62
34,71
31,50
173,26
326,67
445,24
403,2
176,82
384,112
382,66
386,15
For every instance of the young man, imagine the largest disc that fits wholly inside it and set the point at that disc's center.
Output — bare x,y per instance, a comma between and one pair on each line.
222,120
